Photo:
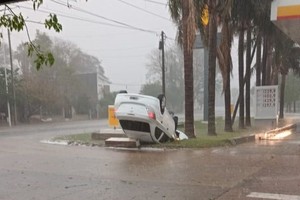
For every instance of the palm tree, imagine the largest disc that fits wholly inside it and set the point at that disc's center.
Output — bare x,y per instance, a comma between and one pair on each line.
225,60
183,14
212,47
243,18
248,75
258,58
240,19
266,28
215,8
219,14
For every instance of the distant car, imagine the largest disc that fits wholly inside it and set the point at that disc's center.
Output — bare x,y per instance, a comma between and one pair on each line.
145,118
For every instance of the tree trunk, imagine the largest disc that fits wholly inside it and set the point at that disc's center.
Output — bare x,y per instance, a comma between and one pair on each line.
63,112
188,73
264,60
189,97
241,77
258,60
248,67
282,87
269,64
244,82
275,75
227,100
294,106
212,47
226,35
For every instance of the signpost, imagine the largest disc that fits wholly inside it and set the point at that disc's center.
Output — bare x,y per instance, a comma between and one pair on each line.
266,106
199,44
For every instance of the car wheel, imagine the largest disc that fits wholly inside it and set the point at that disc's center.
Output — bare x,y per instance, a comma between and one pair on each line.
161,136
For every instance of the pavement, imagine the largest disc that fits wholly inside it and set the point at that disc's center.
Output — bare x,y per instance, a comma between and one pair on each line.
30,169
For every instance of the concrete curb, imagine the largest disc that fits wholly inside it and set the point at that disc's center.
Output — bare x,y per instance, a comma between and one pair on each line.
266,135
272,133
118,133
242,139
291,127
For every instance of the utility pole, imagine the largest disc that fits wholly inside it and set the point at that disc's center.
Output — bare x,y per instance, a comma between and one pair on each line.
12,79
6,88
162,48
8,106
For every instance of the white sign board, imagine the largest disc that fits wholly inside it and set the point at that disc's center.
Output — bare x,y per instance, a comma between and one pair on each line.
266,102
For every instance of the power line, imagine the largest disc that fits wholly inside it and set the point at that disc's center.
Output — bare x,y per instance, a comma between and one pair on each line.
129,4
76,18
105,18
156,2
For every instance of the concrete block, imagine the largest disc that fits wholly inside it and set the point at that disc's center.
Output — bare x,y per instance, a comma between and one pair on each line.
108,133
122,142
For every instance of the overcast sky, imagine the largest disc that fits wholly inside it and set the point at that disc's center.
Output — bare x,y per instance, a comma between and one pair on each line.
123,51
120,33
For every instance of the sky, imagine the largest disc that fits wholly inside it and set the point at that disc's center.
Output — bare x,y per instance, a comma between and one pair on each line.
120,33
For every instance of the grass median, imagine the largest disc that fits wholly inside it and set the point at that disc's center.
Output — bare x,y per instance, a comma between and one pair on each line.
202,140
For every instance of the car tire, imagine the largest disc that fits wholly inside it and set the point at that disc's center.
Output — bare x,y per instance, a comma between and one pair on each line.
160,136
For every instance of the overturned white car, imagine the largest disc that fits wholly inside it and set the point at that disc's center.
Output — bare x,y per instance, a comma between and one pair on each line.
146,118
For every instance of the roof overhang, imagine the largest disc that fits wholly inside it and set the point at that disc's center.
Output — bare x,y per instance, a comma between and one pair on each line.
285,14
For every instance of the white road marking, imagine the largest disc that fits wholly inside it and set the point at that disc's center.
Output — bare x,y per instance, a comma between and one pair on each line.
273,196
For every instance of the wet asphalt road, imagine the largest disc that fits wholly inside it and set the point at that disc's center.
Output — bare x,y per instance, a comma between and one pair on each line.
33,170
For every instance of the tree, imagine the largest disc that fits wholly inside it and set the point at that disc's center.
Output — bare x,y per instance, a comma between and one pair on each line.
212,47
225,63
3,63
292,92
242,18
183,14
16,22
105,101
261,23
151,89
219,15
209,36
173,74
56,89
287,57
